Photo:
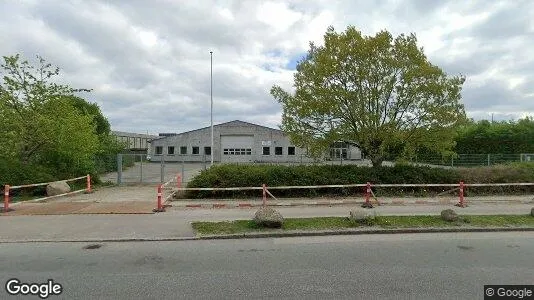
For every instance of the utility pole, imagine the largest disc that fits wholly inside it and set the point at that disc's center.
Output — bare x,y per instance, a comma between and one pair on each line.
211,111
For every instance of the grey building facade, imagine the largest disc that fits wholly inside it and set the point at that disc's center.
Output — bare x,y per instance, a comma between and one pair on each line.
234,141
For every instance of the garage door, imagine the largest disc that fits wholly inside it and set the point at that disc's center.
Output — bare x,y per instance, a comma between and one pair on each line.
237,148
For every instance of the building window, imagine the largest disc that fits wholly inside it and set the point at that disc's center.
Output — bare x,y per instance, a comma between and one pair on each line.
237,151
290,150
278,151
183,150
170,150
196,150
266,150
207,150
159,150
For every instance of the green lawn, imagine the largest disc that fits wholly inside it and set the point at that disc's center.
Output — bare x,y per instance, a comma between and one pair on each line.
324,223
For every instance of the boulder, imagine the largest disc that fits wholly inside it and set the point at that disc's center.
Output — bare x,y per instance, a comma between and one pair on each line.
449,215
268,217
57,188
361,215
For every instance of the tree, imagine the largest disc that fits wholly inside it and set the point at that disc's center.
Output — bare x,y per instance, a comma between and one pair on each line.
39,126
377,92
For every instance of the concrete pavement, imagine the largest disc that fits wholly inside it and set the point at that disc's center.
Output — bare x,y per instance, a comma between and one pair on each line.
176,223
403,266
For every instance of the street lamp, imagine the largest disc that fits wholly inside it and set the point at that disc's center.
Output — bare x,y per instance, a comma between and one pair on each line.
211,111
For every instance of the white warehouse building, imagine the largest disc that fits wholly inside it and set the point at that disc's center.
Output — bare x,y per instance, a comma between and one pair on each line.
237,141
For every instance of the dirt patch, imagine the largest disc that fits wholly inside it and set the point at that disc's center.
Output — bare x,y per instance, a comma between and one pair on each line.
125,207
67,208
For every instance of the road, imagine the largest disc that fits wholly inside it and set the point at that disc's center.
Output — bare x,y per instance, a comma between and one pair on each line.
416,266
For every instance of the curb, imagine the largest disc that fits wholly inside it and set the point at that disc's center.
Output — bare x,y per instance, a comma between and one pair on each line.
255,235
258,235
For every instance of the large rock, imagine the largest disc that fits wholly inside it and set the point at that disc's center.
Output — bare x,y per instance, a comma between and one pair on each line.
449,215
57,188
361,215
268,217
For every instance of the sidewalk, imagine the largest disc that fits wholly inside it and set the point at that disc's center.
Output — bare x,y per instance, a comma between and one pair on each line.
387,201
175,223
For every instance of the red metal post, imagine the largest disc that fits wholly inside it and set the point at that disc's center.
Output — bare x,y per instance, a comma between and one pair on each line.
368,193
462,203
264,195
178,181
6,198
89,184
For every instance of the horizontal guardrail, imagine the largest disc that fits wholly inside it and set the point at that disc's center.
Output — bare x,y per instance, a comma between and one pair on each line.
8,189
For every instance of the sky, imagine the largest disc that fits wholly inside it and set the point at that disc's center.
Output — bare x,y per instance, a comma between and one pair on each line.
148,62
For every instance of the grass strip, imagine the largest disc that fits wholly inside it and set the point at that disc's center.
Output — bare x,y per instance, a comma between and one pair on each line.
389,222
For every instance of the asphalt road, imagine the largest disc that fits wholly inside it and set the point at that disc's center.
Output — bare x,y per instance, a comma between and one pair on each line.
416,266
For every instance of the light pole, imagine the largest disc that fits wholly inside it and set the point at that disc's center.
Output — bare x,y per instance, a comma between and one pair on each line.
211,110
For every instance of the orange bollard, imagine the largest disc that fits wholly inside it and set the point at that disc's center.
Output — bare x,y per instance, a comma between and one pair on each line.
462,201
178,181
159,207
6,198
367,203
88,191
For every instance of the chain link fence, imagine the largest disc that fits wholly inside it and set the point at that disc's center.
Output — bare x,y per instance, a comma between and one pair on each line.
473,160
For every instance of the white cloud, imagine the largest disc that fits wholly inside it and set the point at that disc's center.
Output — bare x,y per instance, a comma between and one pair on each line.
149,64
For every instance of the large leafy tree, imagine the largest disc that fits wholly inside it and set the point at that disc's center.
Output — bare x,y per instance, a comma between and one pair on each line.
39,126
379,93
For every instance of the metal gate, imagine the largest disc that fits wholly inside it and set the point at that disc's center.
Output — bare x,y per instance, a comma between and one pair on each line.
237,148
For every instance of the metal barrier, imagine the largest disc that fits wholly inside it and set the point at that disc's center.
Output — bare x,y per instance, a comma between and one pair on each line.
9,188
368,194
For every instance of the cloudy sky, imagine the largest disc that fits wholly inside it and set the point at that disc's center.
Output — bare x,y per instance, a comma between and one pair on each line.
149,61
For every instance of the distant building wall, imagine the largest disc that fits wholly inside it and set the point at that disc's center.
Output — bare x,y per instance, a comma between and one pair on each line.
234,141
134,141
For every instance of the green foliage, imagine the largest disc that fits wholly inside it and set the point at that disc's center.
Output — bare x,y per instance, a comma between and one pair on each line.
45,127
231,175
497,137
386,222
378,92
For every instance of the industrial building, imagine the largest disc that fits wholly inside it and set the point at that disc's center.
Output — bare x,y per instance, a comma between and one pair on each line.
237,141
135,142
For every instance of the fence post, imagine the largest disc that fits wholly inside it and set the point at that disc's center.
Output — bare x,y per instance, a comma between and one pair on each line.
462,202
6,198
162,172
367,203
178,181
264,195
88,190
119,168
183,168
141,169
489,159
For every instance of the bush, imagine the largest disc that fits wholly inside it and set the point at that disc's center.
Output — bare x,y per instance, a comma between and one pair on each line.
233,175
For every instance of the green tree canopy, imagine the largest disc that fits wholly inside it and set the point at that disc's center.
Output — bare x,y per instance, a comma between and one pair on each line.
377,92
41,124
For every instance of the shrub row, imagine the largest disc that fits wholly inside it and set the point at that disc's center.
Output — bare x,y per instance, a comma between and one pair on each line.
231,175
